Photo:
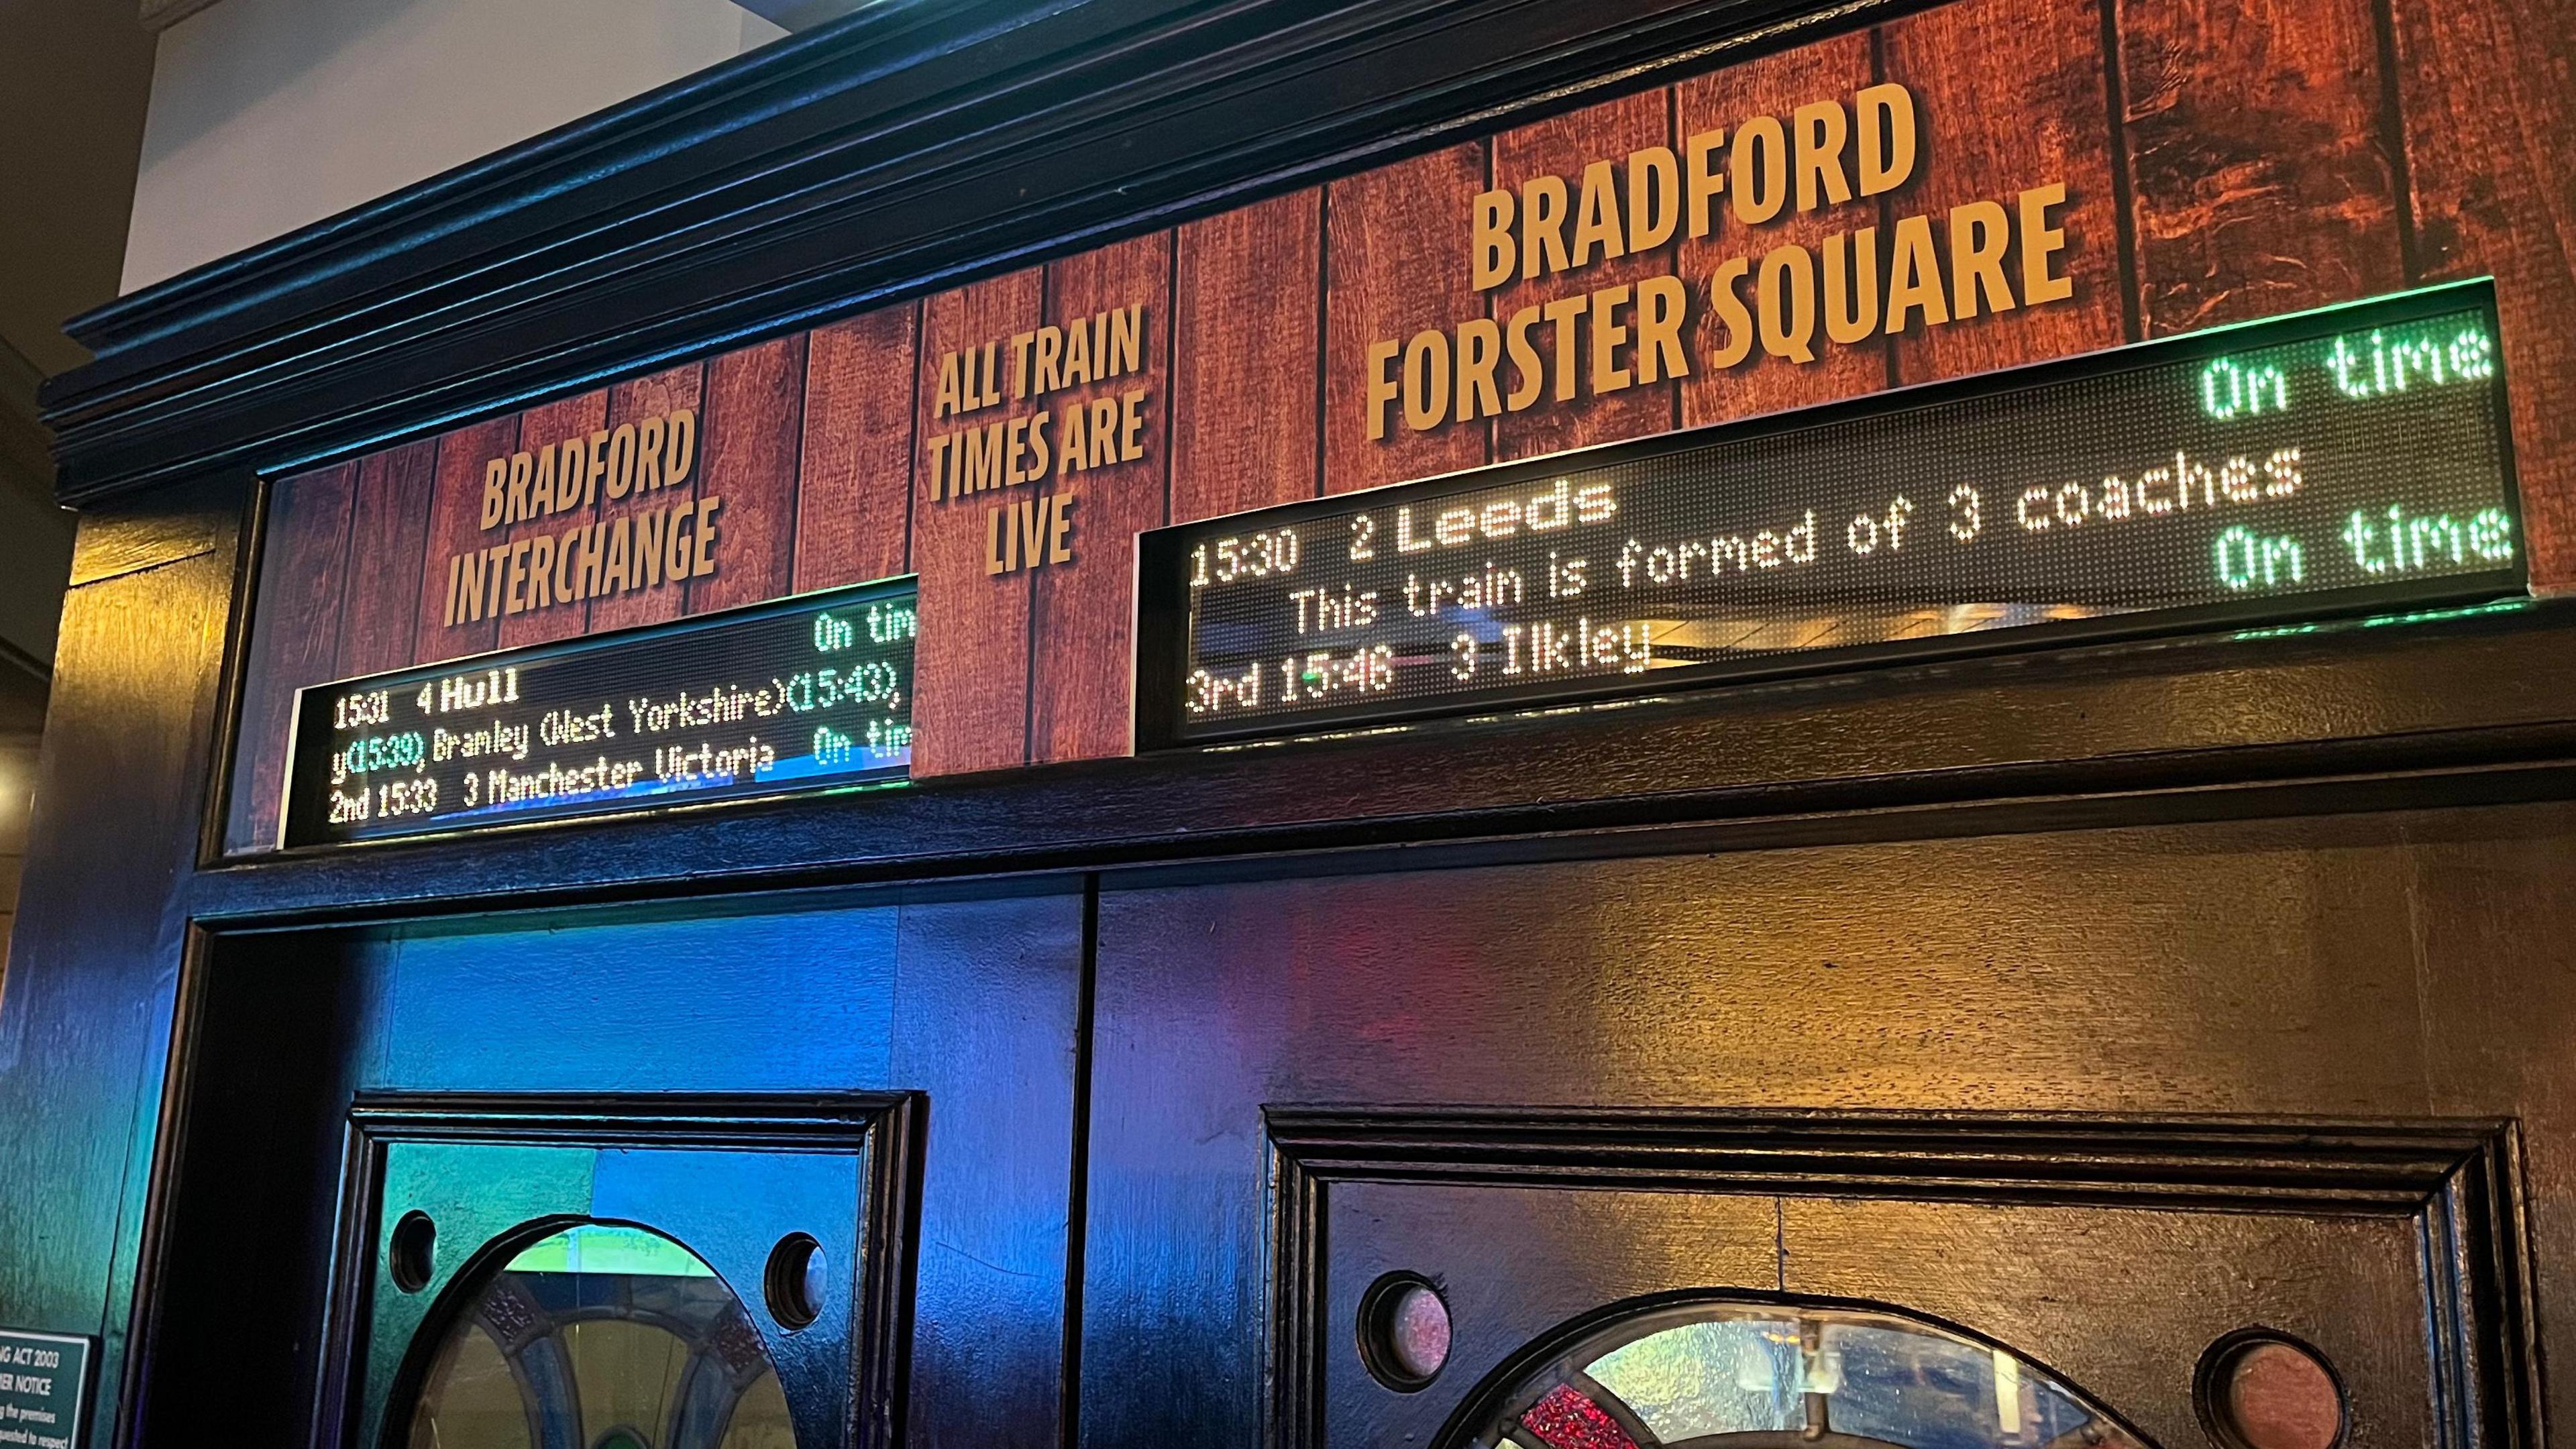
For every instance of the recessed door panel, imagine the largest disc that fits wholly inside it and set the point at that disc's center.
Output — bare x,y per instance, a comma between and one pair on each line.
632,1276
1445,1274
2127,1301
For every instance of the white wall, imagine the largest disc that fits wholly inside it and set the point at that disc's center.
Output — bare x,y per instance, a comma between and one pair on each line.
270,114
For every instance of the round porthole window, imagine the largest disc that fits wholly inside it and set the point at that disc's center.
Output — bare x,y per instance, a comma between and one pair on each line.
601,1336
1722,1373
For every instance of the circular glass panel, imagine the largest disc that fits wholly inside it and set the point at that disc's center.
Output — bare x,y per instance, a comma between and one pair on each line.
1723,1374
602,1337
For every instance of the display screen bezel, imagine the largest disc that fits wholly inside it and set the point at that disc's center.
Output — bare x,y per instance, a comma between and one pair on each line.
1163,601
309,725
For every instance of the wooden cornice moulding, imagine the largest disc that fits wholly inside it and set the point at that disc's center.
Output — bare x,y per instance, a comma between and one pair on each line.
904,148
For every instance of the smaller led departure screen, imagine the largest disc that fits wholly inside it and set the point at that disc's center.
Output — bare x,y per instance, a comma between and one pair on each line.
813,692
2332,460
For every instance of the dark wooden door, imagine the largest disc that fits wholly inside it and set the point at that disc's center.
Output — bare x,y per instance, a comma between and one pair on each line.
813,1151
2121,1105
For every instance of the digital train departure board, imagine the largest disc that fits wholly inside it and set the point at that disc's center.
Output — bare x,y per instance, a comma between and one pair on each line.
2340,459
812,692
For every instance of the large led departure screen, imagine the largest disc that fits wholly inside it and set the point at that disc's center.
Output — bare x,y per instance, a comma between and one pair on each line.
813,692
2327,461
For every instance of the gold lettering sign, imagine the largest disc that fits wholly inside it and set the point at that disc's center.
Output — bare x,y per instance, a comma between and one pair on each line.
1047,445
1985,256
644,544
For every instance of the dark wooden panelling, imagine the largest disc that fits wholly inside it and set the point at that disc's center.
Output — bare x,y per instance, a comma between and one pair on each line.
655,396
1775,85
2491,159
295,640
2171,1282
2493,915
1962,62
119,540
881,158
986,1022
549,427
971,663
388,526
749,434
2256,148
969,998
455,527
1926,975
1562,147
98,938
1395,264
1245,334
853,494
1083,623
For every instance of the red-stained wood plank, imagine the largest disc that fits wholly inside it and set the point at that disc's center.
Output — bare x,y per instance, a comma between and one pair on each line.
748,437
1246,307
654,395
853,500
1396,264
551,426
294,638
455,528
1774,85
2256,153
1083,619
388,524
971,662
2011,95
2490,129
1562,146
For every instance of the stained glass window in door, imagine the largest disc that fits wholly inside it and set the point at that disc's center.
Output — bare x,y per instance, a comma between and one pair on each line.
1756,1375
602,1337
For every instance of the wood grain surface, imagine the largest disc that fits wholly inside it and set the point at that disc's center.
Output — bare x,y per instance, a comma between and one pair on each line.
388,523
1248,293
1562,146
2258,151
971,663
455,527
2047,56
1082,646
655,395
2490,122
551,426
2221,161
300,590
1395,264
1775,85
748,436
853,495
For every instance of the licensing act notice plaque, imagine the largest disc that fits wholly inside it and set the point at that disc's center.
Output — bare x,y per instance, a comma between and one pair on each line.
2351,458
813,692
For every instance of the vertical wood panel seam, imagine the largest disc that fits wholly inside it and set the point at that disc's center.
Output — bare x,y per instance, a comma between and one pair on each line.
1037,596
1674,138
2392,138
1491,148
917,336
1889,367
429,513
1077,1207
1171,419
1323,328
795,501
2124,201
